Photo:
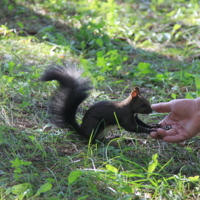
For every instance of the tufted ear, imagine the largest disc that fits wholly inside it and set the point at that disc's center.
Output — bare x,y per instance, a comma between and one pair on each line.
135,92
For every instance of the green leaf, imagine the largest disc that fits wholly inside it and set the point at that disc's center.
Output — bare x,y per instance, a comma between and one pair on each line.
176,27
31,137
11,7
83,45
197,81
100,78
127,189
153,164
188,75
99,41
189,96
9,79
160,77
173,95
111,168
194,178
73,176
100,61
44,188
144,68
130,174
11,66
21,190
20,24
17,162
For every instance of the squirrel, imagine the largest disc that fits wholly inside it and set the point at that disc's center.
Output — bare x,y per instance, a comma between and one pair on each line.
101,116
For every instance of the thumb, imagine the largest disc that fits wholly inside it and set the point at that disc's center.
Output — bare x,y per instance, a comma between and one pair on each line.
162,107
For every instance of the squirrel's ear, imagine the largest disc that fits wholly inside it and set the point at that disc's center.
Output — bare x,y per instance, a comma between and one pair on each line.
135,92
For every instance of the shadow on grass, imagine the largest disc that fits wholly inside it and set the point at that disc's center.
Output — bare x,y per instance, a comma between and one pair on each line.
45,26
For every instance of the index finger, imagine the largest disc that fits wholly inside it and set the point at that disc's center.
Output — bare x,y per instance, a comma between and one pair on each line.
162,107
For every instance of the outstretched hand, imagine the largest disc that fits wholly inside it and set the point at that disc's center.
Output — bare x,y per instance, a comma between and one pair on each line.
184,117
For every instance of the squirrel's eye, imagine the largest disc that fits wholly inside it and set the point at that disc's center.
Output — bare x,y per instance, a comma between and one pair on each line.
143,104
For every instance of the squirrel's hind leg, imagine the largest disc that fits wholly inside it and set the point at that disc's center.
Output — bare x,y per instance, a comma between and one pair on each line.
93,129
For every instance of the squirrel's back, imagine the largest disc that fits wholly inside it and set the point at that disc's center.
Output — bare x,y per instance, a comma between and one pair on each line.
72,92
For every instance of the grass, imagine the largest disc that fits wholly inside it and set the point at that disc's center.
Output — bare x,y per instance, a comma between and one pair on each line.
120,44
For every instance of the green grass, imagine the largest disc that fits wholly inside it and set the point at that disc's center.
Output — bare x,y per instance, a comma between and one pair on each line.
120,44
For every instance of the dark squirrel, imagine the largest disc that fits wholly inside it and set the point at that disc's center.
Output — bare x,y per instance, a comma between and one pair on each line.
100,117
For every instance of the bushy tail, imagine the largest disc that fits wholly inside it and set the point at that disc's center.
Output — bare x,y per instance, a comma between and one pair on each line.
72,92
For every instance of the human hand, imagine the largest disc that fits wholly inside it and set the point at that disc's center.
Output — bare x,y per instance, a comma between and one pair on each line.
184,117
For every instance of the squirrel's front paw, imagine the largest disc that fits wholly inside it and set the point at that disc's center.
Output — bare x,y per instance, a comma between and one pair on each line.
152,130
156,126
